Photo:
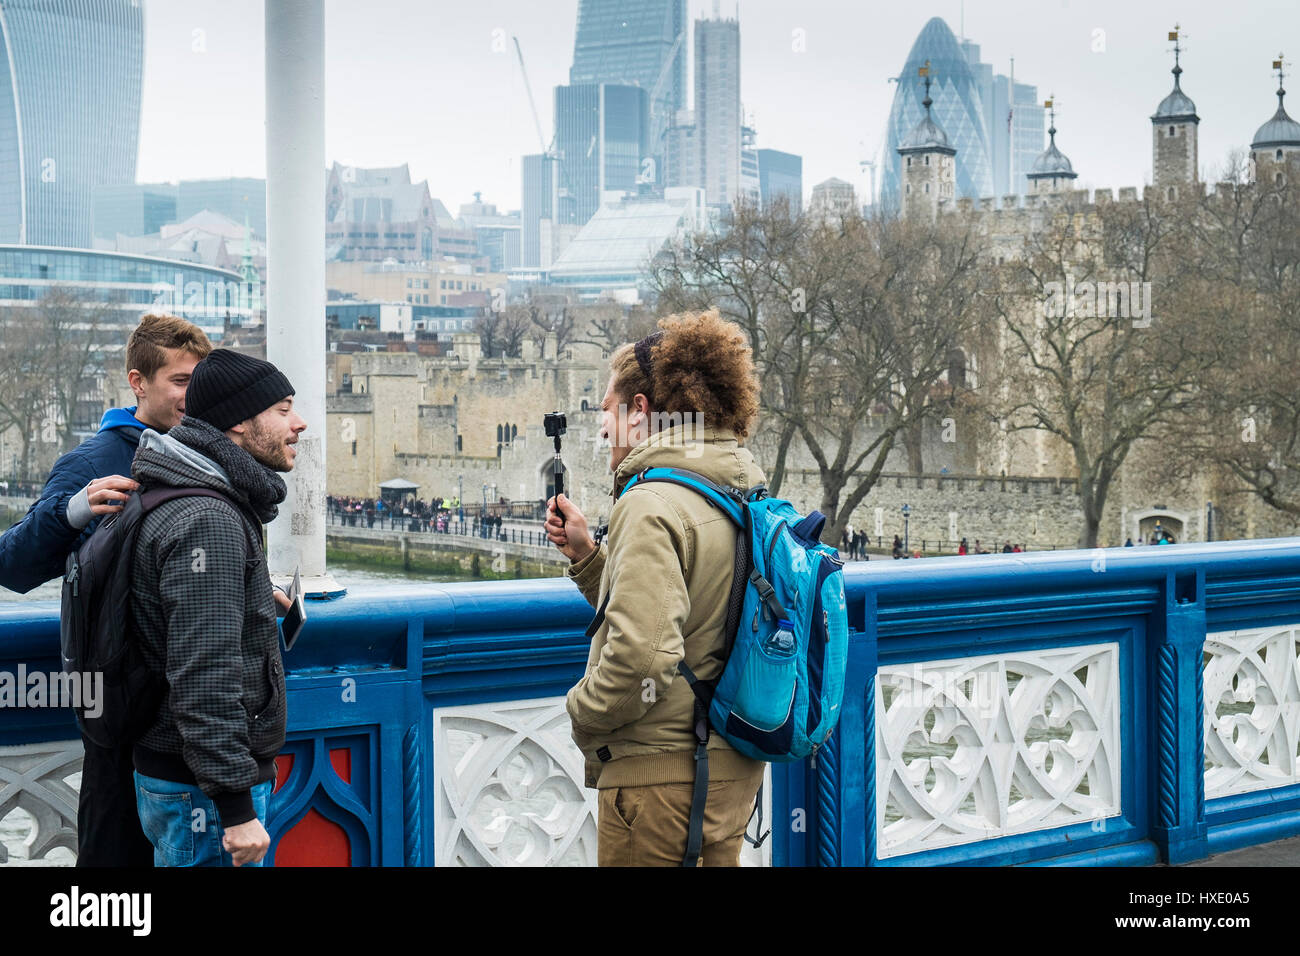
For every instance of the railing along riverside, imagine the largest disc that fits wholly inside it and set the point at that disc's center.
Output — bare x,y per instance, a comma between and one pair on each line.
1118,706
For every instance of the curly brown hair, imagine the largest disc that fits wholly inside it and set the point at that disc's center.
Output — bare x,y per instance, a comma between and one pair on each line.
700,365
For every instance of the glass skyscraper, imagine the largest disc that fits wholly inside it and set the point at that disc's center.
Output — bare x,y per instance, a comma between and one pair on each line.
600,139
780,174
70,91
630,44
958,109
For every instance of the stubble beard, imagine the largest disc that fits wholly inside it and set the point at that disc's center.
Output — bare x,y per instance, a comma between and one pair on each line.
267,449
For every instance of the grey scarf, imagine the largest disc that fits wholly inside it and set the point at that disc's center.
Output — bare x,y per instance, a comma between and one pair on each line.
261,487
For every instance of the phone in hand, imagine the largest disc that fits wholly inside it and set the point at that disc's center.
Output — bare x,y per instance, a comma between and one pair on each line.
296,616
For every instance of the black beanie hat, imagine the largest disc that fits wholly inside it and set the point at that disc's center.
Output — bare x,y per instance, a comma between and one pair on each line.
228,387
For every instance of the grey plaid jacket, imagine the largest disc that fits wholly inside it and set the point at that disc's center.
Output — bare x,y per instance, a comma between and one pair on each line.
203,610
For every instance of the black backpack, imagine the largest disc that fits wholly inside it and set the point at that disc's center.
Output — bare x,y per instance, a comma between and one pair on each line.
95,624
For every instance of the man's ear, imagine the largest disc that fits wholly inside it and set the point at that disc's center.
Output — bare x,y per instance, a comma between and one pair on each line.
134,378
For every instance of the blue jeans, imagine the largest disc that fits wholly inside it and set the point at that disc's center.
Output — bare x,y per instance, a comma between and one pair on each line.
182,823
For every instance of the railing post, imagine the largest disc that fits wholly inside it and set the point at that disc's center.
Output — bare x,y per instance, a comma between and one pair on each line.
1177,769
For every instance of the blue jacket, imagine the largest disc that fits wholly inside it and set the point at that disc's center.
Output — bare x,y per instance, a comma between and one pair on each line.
35,549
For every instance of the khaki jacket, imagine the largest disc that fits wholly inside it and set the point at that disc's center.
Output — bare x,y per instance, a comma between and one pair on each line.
667,564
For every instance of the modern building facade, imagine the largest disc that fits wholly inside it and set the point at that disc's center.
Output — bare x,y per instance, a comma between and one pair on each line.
241,198
635,44
780,174
132,285
601,135
717,109
957,108
609,255
1013,123
133,209
70,89
538,202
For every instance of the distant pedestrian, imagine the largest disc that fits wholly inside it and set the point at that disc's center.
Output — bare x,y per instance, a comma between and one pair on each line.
898,547
963,548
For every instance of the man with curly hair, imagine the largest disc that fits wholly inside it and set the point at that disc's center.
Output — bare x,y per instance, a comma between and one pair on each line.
684,397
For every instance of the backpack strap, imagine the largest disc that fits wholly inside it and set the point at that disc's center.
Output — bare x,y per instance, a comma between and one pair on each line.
730,500
700,795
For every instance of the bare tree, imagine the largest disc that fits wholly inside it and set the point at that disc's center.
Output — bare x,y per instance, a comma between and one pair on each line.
853,323
1093,363
25,377
1246,250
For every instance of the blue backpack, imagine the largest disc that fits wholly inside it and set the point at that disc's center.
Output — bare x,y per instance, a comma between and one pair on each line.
778,697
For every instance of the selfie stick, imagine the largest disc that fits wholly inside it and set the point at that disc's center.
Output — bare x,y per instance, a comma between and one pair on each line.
559,479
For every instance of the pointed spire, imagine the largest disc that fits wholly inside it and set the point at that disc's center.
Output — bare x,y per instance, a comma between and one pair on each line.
1177,70
1177,106
927,102
1051,130
1281,90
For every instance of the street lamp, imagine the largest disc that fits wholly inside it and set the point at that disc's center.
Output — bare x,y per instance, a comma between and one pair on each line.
907,511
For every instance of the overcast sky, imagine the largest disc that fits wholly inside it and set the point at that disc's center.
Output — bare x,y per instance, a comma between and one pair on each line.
436,83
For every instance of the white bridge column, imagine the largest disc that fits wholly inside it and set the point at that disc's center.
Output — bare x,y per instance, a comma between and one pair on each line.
295,261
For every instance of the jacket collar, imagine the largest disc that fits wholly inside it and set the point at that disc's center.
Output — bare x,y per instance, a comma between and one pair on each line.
712,452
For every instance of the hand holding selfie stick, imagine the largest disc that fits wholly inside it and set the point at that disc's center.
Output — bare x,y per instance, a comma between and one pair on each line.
555,427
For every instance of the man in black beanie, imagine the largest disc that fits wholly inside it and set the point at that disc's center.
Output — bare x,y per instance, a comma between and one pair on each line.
205,614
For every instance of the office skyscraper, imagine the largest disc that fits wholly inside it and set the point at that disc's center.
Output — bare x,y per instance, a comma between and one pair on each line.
1013,123
69,113
600,139
780,174
635,44
539,202
717,109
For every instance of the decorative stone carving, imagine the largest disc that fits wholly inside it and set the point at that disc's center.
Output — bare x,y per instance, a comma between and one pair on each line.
1252,709
508,789
42,781
980,747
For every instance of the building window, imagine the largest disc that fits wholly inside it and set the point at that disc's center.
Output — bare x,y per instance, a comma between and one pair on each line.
927,189
426,283
909,189
927,160
1172,131
354,449
1278,179
458,444
1279,155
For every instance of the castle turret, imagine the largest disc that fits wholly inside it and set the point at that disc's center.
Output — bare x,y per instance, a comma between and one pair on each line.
1052,171
929,163
1173,136
1277,142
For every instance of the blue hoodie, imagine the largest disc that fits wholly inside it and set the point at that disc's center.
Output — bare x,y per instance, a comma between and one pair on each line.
35,549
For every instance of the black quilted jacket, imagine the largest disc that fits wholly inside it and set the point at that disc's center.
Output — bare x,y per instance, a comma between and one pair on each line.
202,607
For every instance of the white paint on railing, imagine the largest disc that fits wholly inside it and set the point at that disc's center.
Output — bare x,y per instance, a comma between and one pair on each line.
508,786
1252,709
974,748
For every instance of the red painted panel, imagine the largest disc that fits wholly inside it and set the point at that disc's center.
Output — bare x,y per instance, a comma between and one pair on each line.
341,758
283,771
314,841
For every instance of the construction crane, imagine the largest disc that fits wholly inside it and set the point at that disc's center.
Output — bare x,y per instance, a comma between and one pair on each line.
547,151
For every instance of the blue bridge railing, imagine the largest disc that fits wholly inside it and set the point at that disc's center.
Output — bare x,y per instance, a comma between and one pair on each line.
1116,707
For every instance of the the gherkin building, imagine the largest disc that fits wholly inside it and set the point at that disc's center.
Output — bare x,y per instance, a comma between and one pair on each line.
957,110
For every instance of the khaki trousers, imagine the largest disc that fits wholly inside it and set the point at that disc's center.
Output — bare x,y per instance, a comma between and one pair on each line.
647,826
